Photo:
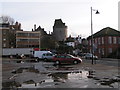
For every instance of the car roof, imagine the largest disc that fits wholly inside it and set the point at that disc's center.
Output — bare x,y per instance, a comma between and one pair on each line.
63,55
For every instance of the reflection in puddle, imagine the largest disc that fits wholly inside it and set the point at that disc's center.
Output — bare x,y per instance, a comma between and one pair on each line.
29,82
64,68
79,76
59,78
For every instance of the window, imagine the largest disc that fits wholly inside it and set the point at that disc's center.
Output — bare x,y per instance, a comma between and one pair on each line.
114,40
62,56
99,51
90,51
4,45
110,40
68,56
102,40
99,41
4,33
119,40
4,39
102,51
110,50
96,41
90,42
48,54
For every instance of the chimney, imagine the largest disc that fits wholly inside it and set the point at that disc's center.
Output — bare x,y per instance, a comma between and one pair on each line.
49,32
19,26
34,27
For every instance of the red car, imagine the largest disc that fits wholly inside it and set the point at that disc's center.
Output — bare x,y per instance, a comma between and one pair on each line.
66,58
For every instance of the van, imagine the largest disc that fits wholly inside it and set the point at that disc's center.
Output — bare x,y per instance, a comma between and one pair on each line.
39,54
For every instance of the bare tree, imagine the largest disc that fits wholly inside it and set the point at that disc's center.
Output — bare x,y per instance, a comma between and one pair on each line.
6,19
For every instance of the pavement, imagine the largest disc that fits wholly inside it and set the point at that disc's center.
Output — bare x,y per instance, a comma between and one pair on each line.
46,75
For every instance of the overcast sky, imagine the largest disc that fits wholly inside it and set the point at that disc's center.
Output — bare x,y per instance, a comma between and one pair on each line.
74,13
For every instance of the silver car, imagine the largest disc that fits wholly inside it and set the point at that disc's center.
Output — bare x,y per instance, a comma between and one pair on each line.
47,56
89,56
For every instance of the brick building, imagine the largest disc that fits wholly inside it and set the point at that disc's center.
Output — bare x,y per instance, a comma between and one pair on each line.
30,39
8,34
27,39
106,43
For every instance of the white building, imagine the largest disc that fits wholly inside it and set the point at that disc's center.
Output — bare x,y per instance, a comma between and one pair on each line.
71,44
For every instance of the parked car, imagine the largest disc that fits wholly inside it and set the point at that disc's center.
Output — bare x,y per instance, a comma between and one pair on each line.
20,56
89,56
47,56
39,54
82,55
66,58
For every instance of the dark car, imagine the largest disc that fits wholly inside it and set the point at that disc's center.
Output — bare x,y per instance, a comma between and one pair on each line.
66,58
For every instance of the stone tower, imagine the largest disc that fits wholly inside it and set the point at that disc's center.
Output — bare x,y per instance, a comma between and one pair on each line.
59,30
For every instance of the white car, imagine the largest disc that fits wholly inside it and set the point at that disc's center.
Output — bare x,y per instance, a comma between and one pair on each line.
89,56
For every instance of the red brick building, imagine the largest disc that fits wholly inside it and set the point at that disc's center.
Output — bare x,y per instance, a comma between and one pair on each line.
106,43
8,33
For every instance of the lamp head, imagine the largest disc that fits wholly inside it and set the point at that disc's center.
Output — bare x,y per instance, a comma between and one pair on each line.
97,12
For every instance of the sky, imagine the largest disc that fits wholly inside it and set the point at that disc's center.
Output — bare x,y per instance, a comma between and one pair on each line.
76,14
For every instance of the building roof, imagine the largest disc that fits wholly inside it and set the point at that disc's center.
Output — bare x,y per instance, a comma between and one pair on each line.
4,25
106,32
70,39
58,23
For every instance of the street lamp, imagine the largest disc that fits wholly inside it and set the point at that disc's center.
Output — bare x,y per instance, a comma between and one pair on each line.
39,40
92,31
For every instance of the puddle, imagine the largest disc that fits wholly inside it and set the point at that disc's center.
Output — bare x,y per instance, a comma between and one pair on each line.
109,82
29,82
11,84
64,68
21,70
59,78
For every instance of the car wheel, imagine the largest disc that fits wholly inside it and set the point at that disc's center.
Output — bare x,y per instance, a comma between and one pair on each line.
37,59
45,59
75,62
86,58
57,62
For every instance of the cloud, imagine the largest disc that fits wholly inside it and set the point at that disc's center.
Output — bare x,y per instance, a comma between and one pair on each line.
75,13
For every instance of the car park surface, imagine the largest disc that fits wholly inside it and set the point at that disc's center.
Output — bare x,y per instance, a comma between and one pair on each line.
47,75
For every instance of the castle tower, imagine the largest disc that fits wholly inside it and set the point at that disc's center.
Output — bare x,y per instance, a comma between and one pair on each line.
59,30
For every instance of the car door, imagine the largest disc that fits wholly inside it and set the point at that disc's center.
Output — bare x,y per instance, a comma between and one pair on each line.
48,55
69,59
62,58
51,55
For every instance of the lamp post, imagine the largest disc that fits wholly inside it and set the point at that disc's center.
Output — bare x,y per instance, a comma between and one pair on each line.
39,40
92,32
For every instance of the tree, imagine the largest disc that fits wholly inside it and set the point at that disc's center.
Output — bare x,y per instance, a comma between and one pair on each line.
6,19
48,42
